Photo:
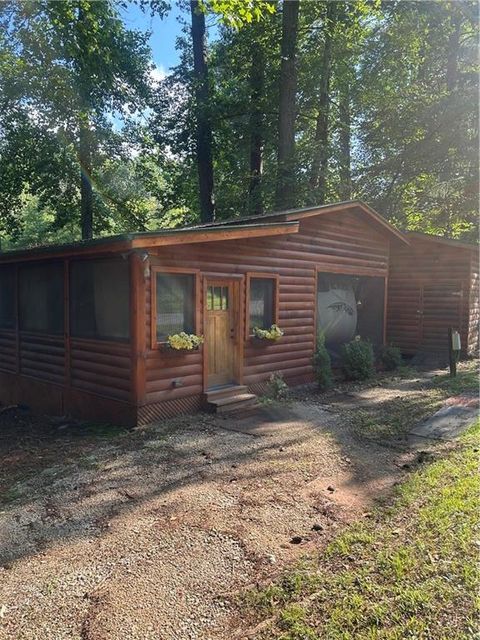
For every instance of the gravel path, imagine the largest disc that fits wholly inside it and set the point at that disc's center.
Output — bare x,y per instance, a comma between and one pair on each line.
152,534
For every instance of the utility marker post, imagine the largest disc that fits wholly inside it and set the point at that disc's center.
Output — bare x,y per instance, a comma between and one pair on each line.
454,348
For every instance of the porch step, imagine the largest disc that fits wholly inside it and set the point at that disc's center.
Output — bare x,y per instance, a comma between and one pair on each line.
234,398
225,392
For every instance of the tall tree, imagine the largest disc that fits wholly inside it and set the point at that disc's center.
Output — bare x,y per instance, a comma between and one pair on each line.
77,62
202,109
285,188
318,175
257,89
419,131
345,143
84,117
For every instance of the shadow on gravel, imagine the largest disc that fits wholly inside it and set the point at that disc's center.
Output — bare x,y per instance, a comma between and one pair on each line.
62,481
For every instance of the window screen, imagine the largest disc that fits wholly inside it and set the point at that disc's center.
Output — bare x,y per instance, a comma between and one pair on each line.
100,299
175,304
262,295
41,298
348,306
7,297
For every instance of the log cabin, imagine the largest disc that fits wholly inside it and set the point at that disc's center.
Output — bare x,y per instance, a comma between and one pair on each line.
85,328
433,285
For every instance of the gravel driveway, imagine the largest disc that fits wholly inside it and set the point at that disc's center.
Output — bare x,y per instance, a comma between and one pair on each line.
151,534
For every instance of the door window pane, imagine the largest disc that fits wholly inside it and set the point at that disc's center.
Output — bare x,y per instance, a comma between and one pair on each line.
100,299
41,305
224,298
175,295
262,296
7,297
217,298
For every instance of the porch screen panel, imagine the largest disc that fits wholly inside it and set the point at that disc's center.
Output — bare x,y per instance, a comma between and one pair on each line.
348,306
100,299
175,295
261,304
41,298
7,297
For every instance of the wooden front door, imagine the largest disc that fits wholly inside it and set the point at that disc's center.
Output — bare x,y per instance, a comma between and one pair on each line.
220,332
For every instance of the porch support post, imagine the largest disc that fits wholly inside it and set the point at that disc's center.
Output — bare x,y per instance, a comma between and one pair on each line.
138,263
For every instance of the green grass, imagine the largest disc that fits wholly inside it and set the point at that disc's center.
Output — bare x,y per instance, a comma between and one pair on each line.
396,417
104,430
466,380
410,572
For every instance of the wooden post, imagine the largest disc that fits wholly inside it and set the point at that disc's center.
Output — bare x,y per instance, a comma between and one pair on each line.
66,321
452,356
17,320
137,326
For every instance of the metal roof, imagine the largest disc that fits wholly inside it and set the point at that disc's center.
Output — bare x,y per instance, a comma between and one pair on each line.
441,239
269,221
141,239
298,214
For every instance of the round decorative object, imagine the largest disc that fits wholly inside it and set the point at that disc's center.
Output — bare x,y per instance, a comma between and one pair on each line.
337,314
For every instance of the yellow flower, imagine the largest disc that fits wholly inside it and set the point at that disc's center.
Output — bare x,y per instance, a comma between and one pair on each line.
274,333
184,341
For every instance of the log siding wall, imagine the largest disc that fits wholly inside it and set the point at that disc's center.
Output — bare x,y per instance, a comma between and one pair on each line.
430,289
339,243
60,374
474,308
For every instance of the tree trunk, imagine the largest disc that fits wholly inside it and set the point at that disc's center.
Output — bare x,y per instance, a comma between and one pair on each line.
318,176
204,125
257,84
345,191
86,191
285,196
453,47
85,139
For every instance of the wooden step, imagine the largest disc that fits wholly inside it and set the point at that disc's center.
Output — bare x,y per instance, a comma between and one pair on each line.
234,399
225,392
236,403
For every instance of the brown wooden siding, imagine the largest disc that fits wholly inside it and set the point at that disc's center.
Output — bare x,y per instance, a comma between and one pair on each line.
429,291
42,356
8,351
101,367
474,311
339,243
78,372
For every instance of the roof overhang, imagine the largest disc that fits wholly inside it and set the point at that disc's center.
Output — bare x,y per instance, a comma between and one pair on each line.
417,235
353,205
290,215
130,242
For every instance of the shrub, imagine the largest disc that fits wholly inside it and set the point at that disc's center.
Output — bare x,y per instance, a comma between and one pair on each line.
278,388
357,359
391,357
322,365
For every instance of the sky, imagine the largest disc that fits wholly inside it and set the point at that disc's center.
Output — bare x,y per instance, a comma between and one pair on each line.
164,33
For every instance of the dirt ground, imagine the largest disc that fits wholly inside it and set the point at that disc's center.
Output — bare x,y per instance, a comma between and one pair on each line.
151,534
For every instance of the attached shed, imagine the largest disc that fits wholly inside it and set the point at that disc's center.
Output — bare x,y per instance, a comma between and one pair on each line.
433,286
84,327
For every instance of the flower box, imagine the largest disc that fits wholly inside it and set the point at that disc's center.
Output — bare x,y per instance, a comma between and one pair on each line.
168,349
263,337
183,342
